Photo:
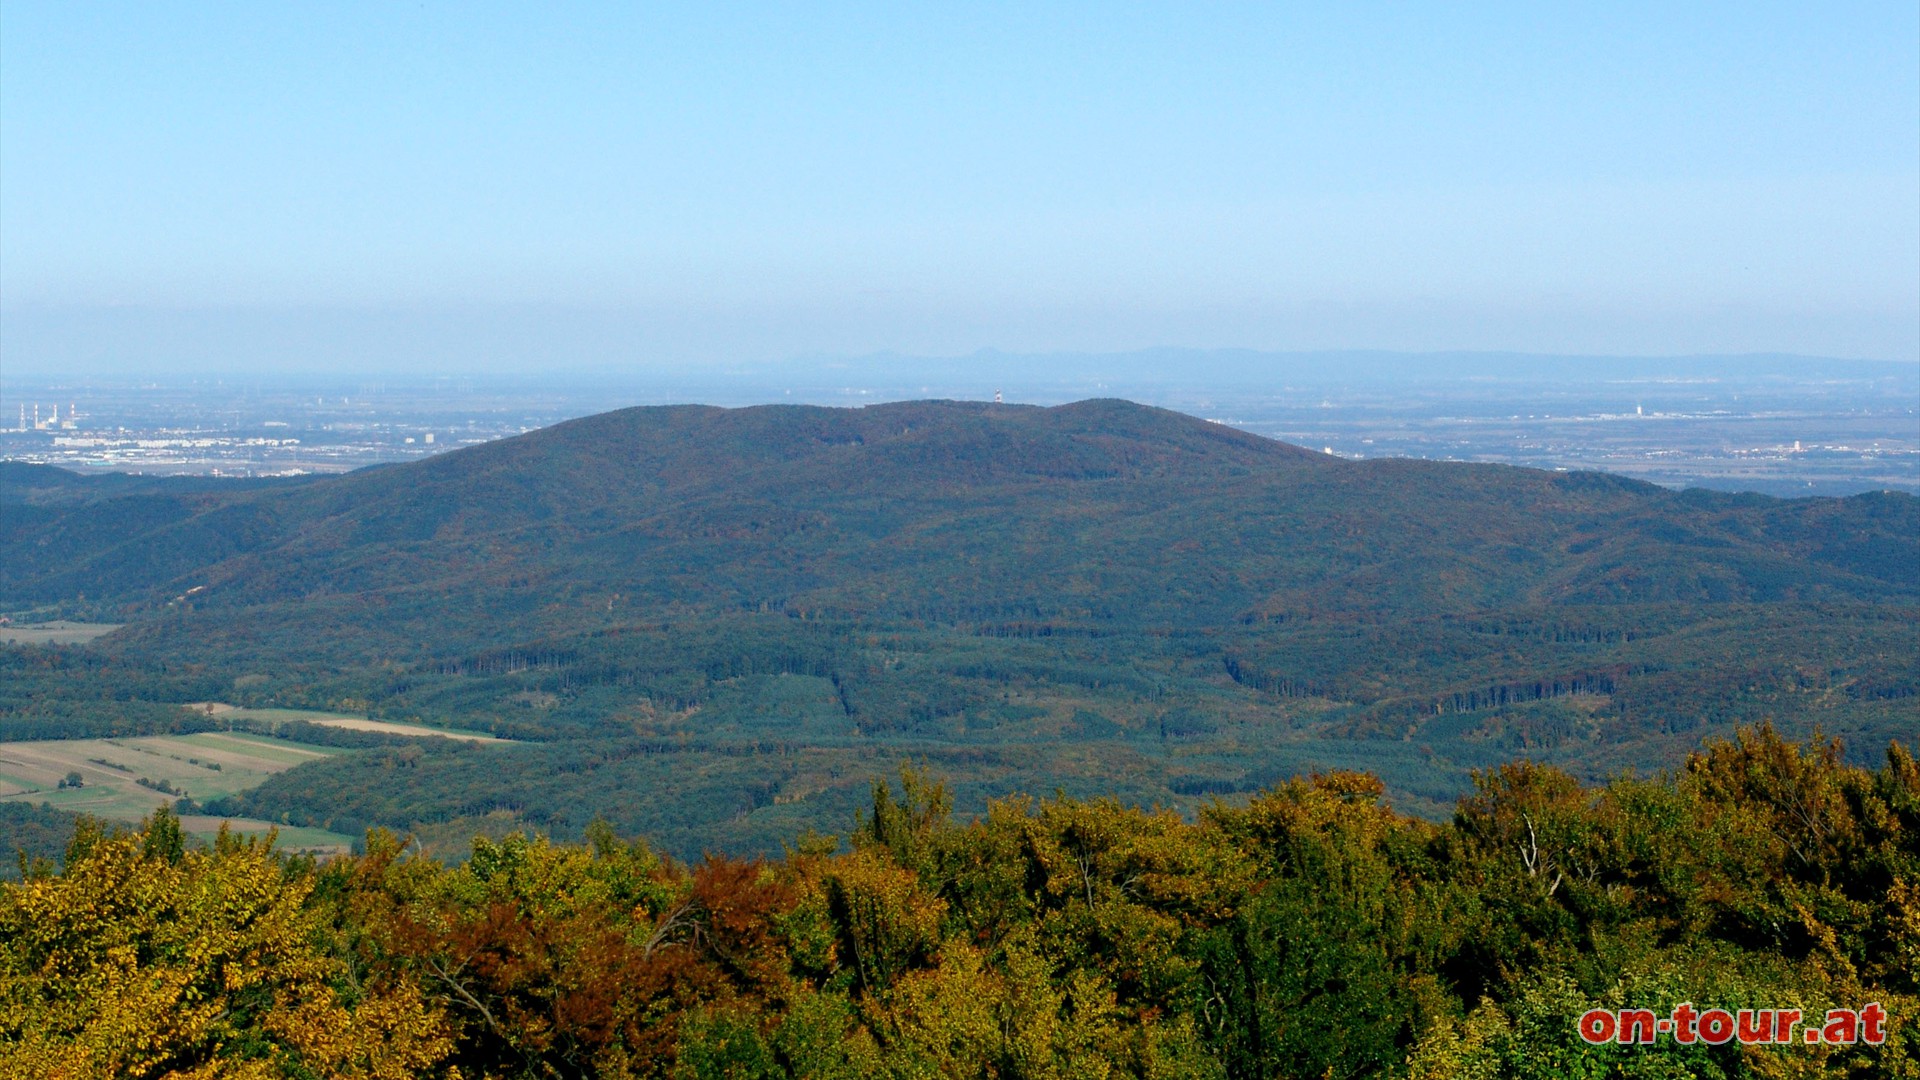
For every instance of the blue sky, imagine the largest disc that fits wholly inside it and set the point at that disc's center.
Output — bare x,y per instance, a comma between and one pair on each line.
310,186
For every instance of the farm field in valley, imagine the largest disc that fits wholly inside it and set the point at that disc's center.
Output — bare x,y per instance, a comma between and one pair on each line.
337,720
55,633
203,766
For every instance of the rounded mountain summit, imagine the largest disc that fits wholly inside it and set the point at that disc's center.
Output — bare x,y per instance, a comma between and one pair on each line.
947,512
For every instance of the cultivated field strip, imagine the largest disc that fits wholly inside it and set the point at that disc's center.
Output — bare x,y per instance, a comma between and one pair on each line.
126,779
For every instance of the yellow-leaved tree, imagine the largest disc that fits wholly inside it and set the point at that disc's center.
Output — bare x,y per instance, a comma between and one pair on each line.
147,957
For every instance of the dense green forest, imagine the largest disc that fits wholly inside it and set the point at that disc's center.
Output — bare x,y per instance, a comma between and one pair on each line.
1308,931
31,834
712,627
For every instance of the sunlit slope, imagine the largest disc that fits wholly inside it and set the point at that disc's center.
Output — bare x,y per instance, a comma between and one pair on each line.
1098,512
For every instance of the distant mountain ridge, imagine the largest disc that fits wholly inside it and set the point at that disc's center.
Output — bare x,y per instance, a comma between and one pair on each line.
608,490
1253,367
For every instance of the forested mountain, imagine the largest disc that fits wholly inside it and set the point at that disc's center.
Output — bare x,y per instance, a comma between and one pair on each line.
950,511
745,613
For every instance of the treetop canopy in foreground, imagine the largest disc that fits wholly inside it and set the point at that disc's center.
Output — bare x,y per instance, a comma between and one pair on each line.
1311,932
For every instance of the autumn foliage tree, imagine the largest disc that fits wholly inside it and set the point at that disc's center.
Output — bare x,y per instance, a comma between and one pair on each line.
151,958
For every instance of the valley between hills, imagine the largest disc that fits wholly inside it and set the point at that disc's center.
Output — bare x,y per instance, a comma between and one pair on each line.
714,628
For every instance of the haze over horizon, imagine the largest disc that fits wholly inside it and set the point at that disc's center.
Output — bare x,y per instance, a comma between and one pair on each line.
450,190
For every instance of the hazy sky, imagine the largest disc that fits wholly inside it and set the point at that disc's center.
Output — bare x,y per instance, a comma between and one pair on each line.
468,185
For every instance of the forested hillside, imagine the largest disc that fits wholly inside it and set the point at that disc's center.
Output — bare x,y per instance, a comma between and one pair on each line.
745,614
1309,932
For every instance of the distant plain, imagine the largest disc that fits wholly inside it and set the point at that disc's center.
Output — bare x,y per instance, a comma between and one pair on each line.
1783,426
